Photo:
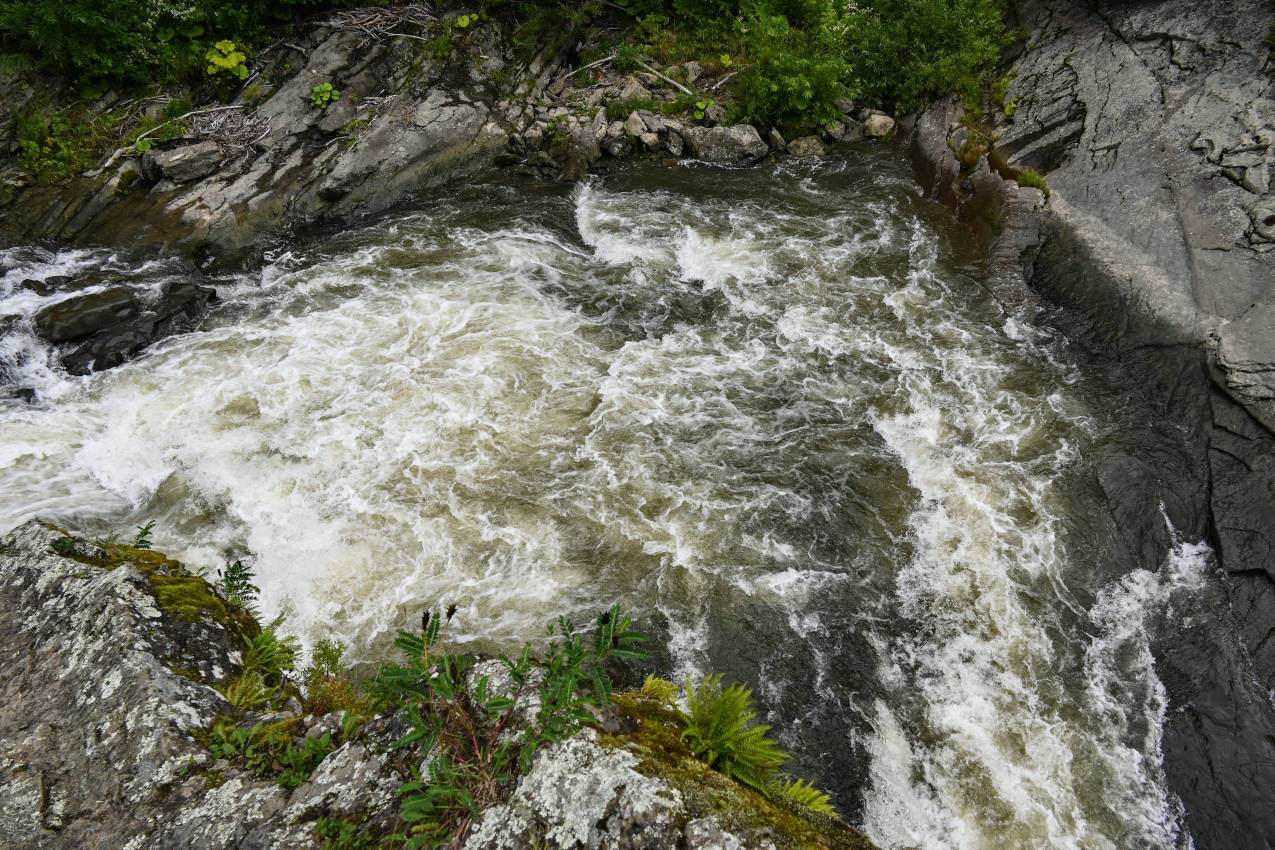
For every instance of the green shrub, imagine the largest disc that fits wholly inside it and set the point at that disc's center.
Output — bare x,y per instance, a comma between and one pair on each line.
796,75
470,758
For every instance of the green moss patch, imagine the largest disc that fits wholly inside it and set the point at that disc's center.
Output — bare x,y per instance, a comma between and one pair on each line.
656,741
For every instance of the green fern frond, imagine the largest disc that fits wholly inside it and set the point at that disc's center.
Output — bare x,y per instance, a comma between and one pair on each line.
659,689
270,654
805,794
721,733
247,691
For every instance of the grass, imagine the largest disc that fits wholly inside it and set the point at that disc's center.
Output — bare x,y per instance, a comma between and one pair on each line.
1034,179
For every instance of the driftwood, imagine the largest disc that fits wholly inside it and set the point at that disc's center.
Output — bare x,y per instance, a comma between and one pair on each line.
377,23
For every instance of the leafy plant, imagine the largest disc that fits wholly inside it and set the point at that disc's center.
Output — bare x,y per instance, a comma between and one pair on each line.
236,583
721,733
323,94
269,749
143,538
325,685
472,754
701,107
659,689
805,794
225,58
65,546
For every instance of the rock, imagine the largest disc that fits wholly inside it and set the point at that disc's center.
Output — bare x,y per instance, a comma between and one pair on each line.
854,131
806,147
651,141
615,130
834,130
82,315
180,305
183,164
635,126
631,90
579,795
584,147
693,72
1156,136
715,114
617,147
845,106
738,145
776,140
877,126
674,143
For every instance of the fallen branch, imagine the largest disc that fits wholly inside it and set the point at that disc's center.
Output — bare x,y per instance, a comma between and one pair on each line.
585,68
717,85
668,80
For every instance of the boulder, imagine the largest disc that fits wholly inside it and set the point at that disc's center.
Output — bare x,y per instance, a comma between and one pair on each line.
878,125
85,314
183,164
806,147
776,140
738,145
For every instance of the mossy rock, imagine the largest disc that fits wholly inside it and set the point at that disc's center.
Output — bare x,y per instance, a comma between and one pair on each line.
656,740
177,591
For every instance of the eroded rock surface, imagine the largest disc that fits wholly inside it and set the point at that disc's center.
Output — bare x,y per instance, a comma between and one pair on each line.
1153,124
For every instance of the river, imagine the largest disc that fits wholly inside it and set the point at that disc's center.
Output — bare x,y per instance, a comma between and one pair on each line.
771,411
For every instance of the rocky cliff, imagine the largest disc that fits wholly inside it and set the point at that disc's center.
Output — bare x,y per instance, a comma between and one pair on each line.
1153,124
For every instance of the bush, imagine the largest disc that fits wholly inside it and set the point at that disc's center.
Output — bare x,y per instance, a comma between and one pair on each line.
133,40
797,75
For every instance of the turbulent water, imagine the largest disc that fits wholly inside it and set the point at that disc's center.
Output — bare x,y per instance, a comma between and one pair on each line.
771,411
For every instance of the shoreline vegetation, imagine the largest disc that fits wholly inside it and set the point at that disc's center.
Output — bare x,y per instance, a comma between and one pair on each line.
132,79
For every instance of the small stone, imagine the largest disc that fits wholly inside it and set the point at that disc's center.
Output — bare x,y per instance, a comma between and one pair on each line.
1257,178
834,130
650,140
844,105
715,114
674,144
776,140
615,130
693,71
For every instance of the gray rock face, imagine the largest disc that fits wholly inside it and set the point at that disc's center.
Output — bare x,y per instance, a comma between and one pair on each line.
738,145
405,122
181,165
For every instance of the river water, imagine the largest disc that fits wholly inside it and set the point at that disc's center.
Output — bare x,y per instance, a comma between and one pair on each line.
771,411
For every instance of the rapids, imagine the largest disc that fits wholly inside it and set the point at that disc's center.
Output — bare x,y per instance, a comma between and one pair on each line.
771,411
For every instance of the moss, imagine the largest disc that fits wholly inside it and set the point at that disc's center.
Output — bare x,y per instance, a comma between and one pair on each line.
656,740
177,592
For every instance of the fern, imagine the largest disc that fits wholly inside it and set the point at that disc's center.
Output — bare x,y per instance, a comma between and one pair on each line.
721,733
247,691
271,655
805,794
659,689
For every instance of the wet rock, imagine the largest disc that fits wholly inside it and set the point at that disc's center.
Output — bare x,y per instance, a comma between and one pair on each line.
738,145
183,164
82,315
878,125
180,305
776,140
806,147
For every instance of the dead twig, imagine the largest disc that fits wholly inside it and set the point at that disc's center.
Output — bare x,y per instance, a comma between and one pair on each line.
717,85
585,68
668,80
141,136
